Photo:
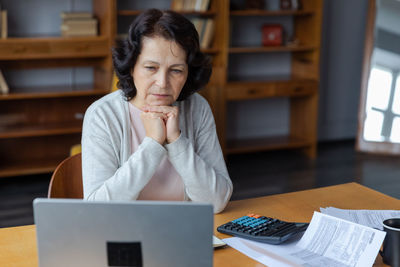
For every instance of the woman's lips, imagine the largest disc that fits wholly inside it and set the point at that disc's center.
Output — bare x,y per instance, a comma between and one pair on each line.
160,95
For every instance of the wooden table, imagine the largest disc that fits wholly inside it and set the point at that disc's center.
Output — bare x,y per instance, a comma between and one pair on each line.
18,244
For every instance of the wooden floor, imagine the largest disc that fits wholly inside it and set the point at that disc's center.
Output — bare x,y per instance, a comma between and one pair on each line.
253,175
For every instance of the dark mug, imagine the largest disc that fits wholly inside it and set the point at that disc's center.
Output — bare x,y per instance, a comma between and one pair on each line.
391,244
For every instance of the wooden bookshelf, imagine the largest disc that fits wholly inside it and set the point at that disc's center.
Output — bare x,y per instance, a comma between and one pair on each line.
301,87
38,125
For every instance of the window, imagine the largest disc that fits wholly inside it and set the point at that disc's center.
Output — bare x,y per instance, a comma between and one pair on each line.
382,123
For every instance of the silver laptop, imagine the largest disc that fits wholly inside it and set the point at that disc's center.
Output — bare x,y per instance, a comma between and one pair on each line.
72,232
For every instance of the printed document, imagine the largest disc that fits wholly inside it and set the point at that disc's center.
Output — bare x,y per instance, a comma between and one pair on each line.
371,218
328,242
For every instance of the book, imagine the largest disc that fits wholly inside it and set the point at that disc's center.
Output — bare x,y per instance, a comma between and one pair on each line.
78,24
208,34
295,4
199,25
4,26
201,5
78,33
177,5
204,5
89,23
79,27
187,5
4,89
76,15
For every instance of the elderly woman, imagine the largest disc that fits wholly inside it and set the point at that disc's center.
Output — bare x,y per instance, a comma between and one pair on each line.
155,138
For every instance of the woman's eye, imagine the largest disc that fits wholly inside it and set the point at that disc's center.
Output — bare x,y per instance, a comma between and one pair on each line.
176,71
150,68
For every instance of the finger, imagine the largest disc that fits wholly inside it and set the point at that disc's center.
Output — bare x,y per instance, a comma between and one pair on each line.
153,115
156,115
162,109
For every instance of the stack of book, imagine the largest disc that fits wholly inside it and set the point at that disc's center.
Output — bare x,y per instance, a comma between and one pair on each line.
78,24
205,28
3,24
190,5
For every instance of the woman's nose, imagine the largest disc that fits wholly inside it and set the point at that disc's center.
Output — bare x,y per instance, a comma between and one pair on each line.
162,79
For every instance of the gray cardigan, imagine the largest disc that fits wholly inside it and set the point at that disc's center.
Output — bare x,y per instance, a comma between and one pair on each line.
112,172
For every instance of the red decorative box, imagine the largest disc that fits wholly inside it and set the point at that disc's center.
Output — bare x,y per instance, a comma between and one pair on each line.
272,35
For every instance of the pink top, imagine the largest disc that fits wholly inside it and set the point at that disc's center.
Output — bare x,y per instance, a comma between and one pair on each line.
166,183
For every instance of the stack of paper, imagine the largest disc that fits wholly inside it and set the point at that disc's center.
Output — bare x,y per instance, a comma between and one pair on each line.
370,218
328,241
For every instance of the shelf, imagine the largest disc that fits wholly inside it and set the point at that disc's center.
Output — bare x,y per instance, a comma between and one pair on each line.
242,90
53,47
255,12
51,92
28,168
60,128
183,12
263,144
46,63
264,49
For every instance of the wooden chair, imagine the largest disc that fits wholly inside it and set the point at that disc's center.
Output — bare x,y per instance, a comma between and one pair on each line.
66,181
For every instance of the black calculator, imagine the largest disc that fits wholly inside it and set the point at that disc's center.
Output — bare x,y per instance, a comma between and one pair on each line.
262,229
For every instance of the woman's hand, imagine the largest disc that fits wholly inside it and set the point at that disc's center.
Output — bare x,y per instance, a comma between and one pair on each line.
154,125
171,120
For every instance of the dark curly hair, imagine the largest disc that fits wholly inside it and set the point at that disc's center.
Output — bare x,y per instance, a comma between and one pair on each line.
171,26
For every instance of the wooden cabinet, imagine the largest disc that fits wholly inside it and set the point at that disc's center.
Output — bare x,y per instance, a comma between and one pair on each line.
300,85
39,124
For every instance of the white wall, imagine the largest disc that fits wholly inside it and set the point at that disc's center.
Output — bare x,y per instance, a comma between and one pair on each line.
341,63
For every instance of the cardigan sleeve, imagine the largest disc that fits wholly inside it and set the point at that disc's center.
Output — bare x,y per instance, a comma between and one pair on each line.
104,177
201,165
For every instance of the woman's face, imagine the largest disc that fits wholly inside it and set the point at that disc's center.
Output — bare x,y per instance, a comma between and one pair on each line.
160,72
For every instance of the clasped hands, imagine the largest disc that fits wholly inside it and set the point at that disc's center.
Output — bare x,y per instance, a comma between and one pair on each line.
161,123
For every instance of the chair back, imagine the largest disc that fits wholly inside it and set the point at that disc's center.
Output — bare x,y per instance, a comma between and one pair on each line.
66,181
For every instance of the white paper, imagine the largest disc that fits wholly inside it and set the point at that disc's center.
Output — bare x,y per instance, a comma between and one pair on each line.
218,242
370,218
328,242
